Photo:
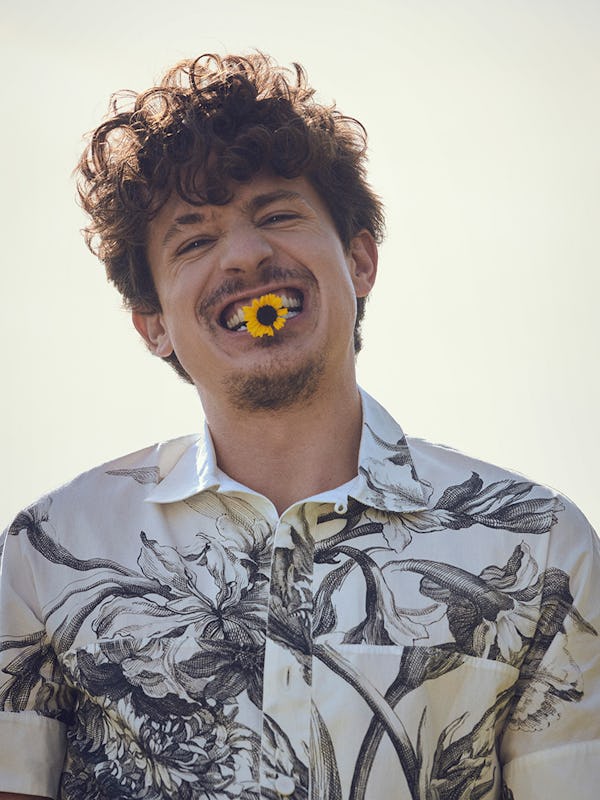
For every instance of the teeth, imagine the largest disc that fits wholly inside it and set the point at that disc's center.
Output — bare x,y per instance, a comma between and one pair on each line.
290,303
235,321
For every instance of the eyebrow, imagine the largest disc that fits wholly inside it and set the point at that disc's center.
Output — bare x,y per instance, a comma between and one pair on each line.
262,200
193,218
252,206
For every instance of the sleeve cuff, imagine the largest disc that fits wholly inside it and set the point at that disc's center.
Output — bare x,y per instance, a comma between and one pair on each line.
32,753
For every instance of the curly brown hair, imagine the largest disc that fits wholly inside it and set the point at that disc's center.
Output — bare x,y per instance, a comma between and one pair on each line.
211,122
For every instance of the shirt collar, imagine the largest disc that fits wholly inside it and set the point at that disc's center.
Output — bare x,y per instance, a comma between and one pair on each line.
195,471
386,479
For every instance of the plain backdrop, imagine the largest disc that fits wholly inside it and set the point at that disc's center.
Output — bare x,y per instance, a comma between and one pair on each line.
484,127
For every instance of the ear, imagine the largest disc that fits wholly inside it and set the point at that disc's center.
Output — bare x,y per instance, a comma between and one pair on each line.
363,256
152,330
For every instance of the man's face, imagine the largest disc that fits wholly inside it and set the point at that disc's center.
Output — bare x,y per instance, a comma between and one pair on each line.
275,235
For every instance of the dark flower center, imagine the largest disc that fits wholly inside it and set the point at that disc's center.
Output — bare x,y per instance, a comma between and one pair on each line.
266,315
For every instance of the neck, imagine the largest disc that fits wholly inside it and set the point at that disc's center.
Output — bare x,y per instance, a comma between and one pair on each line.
290,454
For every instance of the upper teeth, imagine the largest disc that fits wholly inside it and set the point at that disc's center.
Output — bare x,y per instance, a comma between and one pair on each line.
237,322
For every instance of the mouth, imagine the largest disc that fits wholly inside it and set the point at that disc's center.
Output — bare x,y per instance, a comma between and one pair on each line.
232,316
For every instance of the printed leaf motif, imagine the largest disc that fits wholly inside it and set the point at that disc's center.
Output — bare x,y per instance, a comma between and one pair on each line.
383,711
34,669
461,768
324,776
281,759
325,617
384,623
417,665
141,475
291,598
32,522
507,793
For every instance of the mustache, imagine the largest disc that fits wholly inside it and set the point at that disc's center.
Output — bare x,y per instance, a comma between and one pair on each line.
265,275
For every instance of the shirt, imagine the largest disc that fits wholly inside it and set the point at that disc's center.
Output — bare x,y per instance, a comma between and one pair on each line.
427,630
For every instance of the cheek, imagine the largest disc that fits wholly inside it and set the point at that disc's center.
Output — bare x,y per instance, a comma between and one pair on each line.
180,319
348,283
190,279
180,299
342,308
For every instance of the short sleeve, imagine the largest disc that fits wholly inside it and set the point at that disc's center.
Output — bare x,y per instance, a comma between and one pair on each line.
34,701
551,745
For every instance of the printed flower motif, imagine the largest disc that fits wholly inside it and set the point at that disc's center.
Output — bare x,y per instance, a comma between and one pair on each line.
161,749
550,676
265,316
505,505
210,596
388,480
519,579
245,537
555,681
384,623
491,615
397,527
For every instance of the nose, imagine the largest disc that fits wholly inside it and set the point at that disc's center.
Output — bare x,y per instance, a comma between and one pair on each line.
246,249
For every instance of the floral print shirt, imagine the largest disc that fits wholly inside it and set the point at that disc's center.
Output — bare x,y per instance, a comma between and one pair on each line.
428,630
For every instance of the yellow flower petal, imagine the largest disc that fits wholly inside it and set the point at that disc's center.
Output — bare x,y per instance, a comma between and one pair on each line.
253,324
270,300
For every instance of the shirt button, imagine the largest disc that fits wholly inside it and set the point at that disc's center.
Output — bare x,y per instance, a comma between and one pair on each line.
341,508
284,785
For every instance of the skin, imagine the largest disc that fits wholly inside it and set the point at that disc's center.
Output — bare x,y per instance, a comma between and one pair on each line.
275,234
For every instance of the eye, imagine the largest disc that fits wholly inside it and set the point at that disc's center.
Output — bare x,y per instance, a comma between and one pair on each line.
199,243
282,216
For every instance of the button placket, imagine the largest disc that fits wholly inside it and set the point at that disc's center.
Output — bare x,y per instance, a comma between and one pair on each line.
287,677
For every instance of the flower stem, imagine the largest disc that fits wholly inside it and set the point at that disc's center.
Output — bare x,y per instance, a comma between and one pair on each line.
346,535
380,707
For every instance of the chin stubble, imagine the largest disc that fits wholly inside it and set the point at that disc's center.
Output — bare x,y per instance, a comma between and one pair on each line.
275,388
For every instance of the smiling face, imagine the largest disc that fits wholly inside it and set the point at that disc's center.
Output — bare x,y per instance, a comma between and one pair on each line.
209,262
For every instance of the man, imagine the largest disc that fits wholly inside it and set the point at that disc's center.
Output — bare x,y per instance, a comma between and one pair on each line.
299,602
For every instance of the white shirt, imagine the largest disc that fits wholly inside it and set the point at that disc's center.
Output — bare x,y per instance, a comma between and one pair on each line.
428,630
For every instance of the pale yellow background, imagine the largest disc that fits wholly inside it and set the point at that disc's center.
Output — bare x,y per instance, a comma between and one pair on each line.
484,128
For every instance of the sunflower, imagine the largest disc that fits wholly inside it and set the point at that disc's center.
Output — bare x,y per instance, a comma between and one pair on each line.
266,315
